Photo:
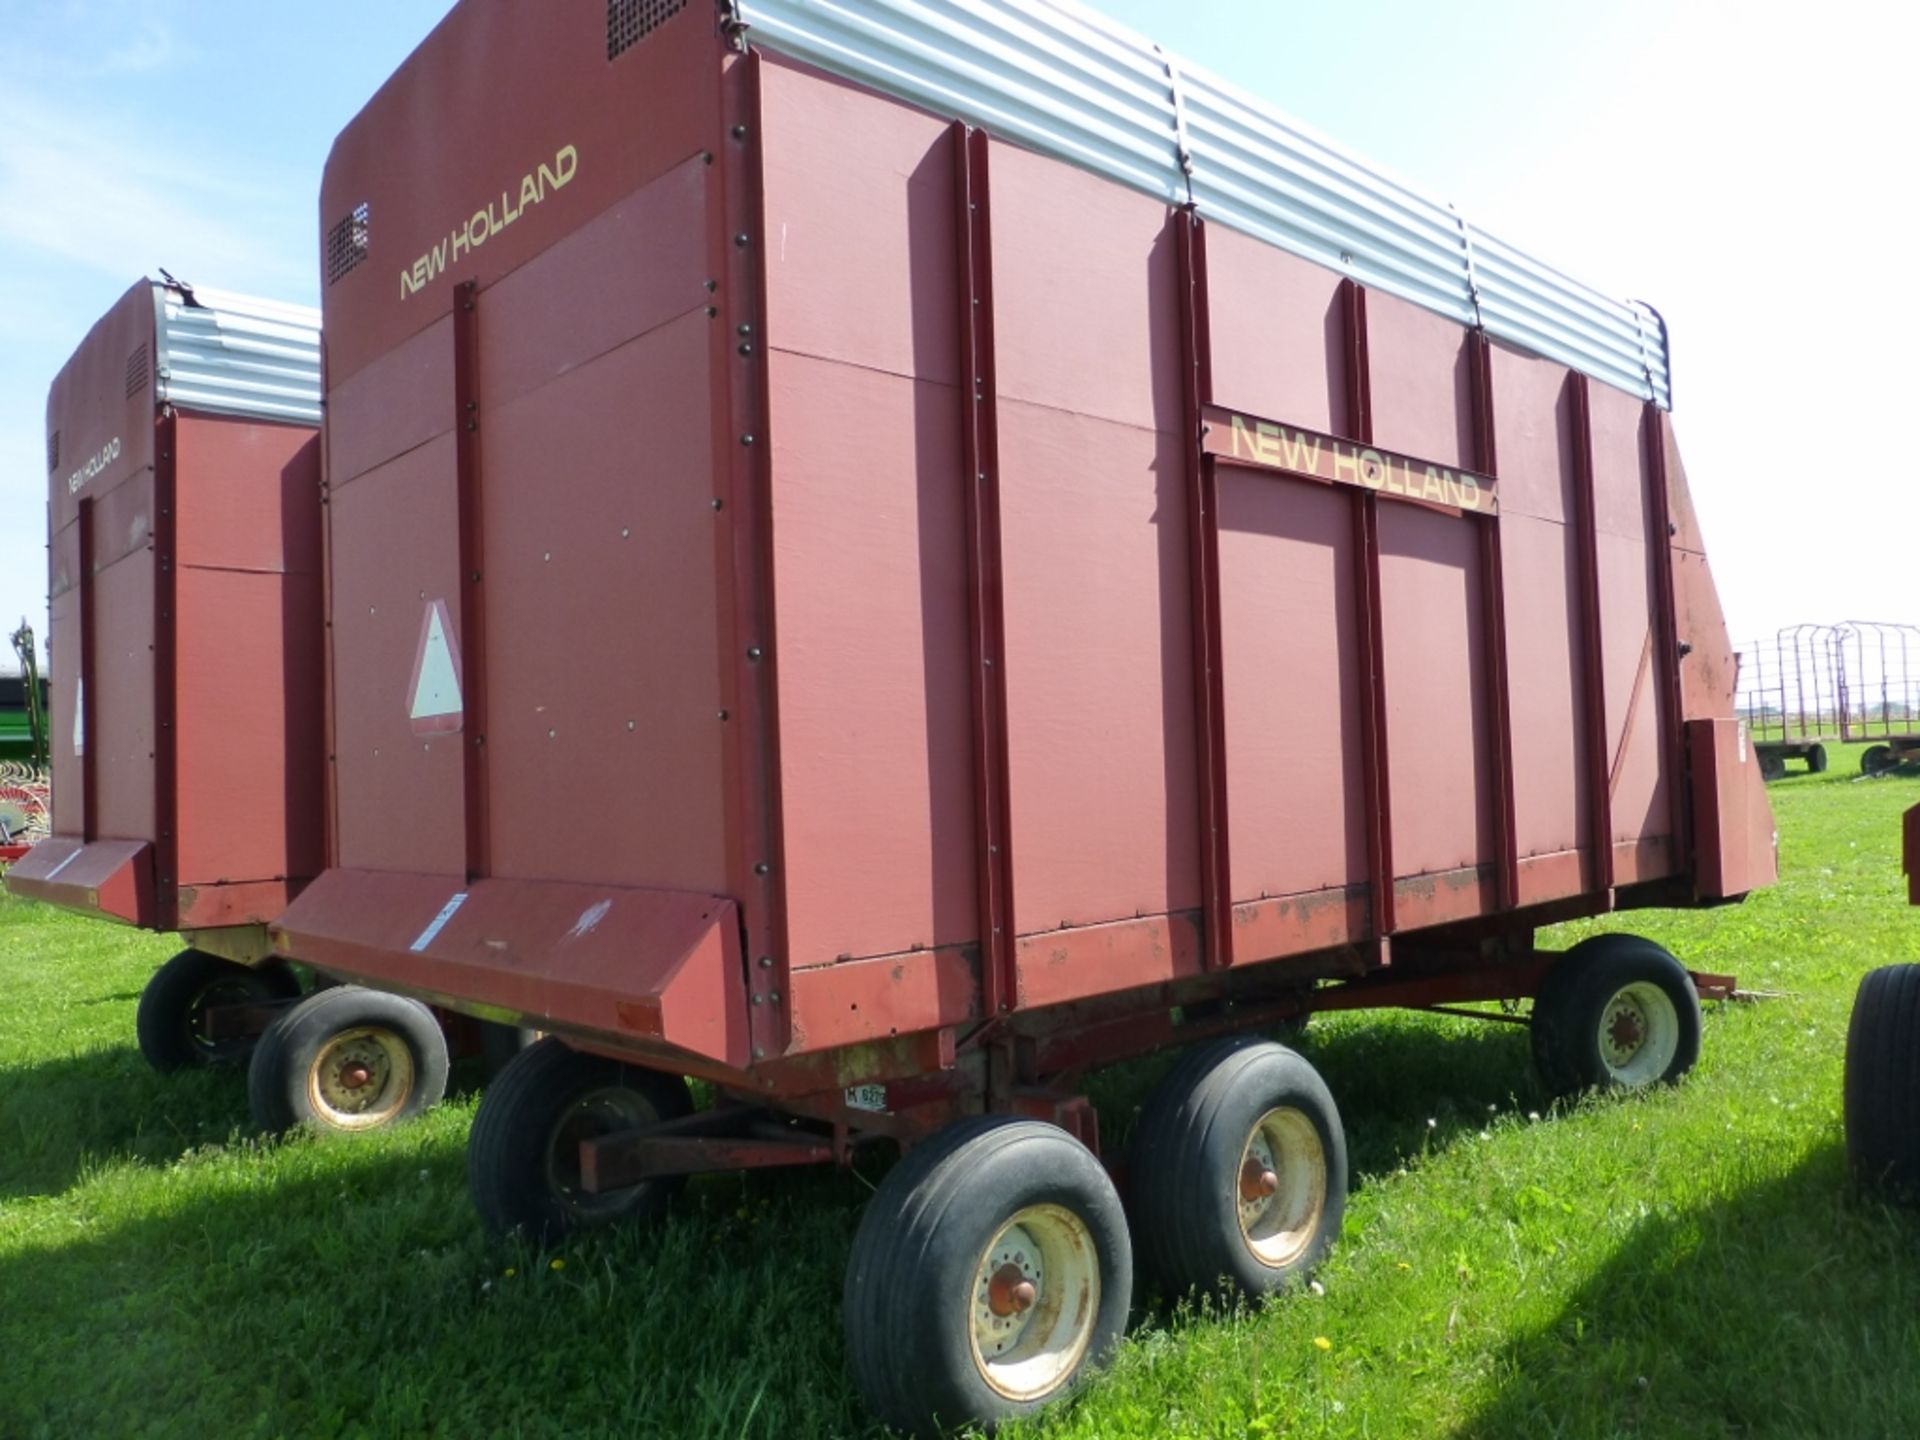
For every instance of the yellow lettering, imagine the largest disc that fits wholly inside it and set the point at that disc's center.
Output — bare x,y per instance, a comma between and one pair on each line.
1239,429
1266,442
529,192
1469,493
1300,452
1346,465
1435,487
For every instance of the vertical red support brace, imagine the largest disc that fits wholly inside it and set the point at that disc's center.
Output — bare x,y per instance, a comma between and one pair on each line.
1370,627
1493,594
1594,681
1660,530
986,622
744,531
86,698
1203,560
166,732
473,611
329,689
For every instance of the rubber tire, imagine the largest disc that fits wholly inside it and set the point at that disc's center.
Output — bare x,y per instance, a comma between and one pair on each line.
164,1023
514,1128
1185,1164
1876,759
1772,767
1883,1082
1566,1012
1817,760
914,1259
277,1076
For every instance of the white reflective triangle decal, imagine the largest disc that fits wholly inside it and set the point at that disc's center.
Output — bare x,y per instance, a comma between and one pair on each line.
433,705
79,717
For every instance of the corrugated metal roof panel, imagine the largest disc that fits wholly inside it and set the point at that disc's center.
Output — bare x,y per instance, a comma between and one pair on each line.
1062,79
236,355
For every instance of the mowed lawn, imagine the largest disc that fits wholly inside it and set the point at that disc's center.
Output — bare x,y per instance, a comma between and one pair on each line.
1690,1263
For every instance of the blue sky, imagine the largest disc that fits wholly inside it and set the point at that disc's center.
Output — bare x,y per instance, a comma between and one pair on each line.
1744,167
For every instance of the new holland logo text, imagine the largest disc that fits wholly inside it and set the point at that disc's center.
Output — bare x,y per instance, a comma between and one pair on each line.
96,462
489,221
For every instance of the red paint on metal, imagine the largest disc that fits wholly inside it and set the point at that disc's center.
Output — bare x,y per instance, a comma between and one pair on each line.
1593,689
651,965
986,602
472,670
1371,628
85,728
166,737
1910,852
109,878
1493,590
856,1001
614,1162
823,746
1734,840
1203,570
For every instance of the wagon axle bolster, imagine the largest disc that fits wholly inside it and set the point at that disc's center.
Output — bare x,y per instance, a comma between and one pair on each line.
627,1157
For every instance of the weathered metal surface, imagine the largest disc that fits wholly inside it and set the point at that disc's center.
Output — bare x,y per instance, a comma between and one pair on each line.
220,353
109,878
924,585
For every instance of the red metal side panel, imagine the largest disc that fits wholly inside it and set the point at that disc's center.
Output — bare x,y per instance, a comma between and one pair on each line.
105,425
870,578
63,639
248,689
1735,843
447,156
1629,652
1276,327
1707,670
121,695
1104,810
397,794
602,655
1541,558
1291,652
1435,642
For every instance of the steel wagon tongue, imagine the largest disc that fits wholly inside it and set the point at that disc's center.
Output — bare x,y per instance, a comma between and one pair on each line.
839,589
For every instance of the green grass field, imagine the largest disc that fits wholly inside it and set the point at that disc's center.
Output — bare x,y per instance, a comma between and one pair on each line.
1690,1263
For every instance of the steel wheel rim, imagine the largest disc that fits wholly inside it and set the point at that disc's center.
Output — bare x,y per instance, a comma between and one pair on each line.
361,1078
1278,1223
604,1110
1028,1352
1639,1034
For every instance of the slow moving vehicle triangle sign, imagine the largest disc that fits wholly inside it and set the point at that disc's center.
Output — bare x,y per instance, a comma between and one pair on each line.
433,697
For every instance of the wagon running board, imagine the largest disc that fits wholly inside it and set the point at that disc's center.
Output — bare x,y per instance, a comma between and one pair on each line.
657,967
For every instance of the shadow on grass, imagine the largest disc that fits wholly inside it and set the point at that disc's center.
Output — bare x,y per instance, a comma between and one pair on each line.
330,1288
56,1115
1791,1309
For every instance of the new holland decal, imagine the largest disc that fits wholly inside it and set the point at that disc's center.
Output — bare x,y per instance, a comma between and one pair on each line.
488,221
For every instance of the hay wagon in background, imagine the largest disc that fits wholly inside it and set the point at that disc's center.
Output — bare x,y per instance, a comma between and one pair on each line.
183,463
880,559
1856,682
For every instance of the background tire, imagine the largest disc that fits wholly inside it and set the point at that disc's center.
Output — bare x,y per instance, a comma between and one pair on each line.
938,1246
523,1154
1772,767
1875,759
1817,760
346,1060
1230,1114
1883,1082
1625,983
169,1022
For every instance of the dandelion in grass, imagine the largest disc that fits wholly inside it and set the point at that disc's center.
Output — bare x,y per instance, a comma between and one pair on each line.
509,1272
1320,1342
1401,1265
556,1263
